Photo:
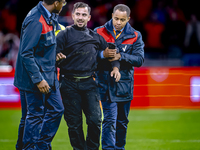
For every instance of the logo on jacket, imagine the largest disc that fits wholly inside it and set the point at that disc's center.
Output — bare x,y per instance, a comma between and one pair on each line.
49,37
124,49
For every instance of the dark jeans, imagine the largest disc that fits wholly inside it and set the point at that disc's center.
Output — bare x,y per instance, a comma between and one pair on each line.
82,95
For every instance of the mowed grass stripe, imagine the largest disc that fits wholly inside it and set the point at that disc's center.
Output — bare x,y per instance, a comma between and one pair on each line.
148,129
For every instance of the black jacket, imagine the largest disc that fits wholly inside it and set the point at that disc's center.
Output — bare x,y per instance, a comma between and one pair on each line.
82,48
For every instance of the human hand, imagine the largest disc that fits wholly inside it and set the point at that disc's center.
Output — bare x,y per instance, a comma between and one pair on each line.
60,56
109,53
116,74
43,86
117,57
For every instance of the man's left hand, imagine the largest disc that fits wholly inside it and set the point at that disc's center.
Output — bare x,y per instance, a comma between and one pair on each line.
116,74
117,57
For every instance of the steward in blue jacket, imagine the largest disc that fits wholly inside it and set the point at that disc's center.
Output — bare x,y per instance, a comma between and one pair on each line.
130,46
37,51
116,96
36,77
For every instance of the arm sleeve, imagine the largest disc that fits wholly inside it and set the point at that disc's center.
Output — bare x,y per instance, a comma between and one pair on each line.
104,44
115,63
30,39
102,47
101,55
136,59
60,40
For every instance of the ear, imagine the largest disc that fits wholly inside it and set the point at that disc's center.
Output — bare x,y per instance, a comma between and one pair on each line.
56,3
89,17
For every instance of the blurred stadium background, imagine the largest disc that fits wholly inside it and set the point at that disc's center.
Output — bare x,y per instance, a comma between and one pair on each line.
166,106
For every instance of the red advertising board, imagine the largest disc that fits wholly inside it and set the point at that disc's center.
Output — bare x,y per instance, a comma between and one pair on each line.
154,87
167,87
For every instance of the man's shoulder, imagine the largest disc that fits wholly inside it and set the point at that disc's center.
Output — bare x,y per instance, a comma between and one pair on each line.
66,29
95,34
130,29
69,29
33,16
100,28
92,31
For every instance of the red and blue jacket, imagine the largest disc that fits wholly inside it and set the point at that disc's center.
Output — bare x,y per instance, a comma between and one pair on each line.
131,47
37,51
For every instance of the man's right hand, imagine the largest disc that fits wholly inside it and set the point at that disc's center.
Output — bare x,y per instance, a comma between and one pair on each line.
43,86
109,53
60,56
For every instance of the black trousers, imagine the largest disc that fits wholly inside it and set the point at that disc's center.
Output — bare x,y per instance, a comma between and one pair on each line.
82,95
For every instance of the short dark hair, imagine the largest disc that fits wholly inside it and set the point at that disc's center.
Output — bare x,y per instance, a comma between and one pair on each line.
50,2
122,7
81,5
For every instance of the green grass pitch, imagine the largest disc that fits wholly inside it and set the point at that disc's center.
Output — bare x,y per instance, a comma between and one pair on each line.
148,129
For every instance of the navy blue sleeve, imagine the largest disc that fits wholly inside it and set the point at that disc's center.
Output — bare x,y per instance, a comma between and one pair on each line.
104,45
136,59
30,38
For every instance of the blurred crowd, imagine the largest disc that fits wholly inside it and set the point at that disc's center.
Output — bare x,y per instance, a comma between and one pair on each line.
170,28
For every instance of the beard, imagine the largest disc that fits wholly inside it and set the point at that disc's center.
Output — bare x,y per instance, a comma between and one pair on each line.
56,11
80,23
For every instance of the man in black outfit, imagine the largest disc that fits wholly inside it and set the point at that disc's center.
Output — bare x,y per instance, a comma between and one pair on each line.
82,47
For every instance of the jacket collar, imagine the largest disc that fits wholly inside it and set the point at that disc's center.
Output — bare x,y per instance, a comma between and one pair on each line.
127,29
45,14
79,28
48,13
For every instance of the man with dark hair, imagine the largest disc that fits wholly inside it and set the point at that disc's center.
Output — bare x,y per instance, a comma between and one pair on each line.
78,88
122,8
116,96
36,78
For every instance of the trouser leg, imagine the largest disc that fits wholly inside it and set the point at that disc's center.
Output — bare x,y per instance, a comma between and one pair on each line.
19,144
109,125
73,113
45,110
35,114
92,111
53,113
122,122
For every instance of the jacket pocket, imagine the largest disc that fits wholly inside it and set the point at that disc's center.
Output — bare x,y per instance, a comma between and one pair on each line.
48,73
49,39
49,43
124,88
